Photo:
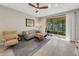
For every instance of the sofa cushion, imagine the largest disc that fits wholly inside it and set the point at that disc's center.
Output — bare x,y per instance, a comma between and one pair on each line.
11,42
29,34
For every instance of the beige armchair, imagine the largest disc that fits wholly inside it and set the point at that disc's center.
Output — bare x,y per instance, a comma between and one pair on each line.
10,38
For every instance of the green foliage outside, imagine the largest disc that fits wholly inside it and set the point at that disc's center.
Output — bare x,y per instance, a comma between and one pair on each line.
56,25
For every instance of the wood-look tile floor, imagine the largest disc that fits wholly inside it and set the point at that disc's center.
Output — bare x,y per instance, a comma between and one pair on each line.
7,52
55,47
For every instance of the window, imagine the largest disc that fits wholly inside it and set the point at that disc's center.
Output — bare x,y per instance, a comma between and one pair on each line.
56,25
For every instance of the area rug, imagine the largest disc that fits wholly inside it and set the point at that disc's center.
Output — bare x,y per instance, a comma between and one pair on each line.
28,48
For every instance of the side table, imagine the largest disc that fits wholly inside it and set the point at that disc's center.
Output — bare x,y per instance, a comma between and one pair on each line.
20,37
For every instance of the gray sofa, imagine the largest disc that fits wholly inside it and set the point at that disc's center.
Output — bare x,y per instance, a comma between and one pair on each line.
29,34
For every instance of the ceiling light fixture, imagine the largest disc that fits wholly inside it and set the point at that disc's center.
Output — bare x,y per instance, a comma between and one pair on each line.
37,6
37,10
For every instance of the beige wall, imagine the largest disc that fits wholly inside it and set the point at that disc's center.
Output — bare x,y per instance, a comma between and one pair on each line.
42,23
13,20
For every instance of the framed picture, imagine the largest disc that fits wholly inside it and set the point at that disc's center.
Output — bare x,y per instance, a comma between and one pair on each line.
29,22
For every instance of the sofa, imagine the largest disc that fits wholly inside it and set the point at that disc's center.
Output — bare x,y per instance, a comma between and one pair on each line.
29,34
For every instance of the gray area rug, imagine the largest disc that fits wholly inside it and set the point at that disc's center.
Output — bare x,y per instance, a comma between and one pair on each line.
28,48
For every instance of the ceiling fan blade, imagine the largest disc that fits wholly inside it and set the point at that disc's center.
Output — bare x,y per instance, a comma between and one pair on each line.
32,5
44,7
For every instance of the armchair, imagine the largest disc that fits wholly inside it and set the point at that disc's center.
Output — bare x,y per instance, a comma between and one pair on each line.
10,38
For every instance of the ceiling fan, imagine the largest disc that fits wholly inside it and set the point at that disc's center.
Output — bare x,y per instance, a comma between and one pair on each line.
37,6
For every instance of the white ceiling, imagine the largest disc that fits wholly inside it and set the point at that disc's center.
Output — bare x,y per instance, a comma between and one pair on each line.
53,8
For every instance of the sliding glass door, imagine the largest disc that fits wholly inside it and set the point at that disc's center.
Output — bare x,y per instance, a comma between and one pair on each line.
56,25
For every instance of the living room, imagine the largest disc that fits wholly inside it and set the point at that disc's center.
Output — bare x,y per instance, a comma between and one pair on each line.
22,21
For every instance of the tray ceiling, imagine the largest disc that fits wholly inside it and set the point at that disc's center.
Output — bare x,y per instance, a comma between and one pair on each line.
53,8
